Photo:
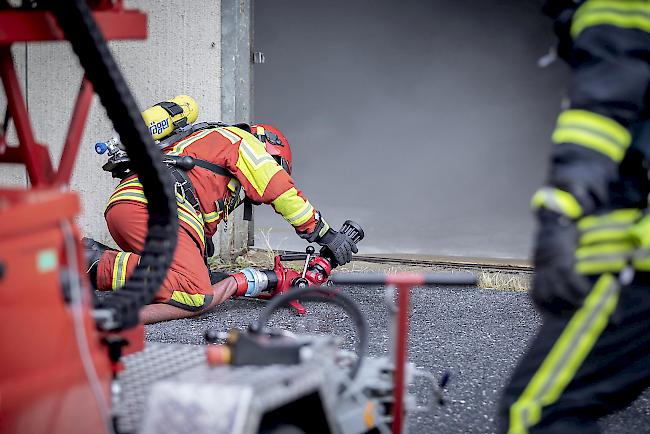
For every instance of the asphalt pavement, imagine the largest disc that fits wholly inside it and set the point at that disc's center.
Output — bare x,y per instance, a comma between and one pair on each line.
477,334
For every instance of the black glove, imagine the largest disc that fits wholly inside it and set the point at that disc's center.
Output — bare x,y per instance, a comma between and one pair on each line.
557,288
562,12
338,247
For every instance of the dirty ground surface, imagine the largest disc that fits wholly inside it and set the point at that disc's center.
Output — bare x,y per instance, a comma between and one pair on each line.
478,334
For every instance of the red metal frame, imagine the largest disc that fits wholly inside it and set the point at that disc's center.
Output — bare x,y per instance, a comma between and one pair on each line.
404,282
37,26
29,26
33,305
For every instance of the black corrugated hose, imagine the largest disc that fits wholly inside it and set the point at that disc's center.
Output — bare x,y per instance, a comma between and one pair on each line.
323,295
77,22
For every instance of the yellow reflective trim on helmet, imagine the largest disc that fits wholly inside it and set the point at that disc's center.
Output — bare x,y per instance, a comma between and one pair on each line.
557,200
566,356
624,14
593,131
292,207
193,300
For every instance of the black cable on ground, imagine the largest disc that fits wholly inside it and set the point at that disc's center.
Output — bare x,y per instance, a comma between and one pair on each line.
323,295
77,22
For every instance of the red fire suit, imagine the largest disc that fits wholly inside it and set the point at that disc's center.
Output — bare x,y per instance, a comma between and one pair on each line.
187,284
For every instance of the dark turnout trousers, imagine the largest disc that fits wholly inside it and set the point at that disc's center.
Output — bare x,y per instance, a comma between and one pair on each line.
582,367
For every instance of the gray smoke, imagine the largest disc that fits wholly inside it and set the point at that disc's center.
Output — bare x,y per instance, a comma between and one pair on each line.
426,121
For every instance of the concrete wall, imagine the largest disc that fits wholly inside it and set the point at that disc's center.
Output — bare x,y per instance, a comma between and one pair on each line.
180,56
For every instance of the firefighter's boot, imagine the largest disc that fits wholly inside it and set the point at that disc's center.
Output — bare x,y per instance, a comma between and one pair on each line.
93,251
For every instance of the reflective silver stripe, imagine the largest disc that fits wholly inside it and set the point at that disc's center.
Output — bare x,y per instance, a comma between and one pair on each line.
605,257
550,200
610,226
641,254
233,138
307,210
249,153
572,348
121,257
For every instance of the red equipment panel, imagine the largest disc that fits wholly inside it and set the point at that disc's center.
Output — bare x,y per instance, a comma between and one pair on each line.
43,384
35,26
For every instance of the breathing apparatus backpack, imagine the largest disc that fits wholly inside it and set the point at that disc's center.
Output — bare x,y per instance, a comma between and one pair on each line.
168,122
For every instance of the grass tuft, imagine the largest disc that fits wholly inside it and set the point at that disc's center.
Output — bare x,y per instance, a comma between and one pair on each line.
505,281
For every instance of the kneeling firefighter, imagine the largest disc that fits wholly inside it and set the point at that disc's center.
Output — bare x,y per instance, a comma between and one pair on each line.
591,355
215,167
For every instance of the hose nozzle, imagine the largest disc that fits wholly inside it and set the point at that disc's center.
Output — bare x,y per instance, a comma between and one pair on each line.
352,230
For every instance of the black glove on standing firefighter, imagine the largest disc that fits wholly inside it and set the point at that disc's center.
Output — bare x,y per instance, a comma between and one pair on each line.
562,12
557,287
339,245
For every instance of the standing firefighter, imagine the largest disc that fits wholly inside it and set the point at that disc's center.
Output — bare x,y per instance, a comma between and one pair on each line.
229,165
592,253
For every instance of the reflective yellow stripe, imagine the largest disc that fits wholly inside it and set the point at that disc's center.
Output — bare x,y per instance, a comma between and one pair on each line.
257,165
326,227
624,14
641,260
556,200
603,258
292,207
186,212
593,131
611,227
211,216
619,216
233,184
135,196
119,270
641,232
134,181
194,300
189,216
181,145
567,355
